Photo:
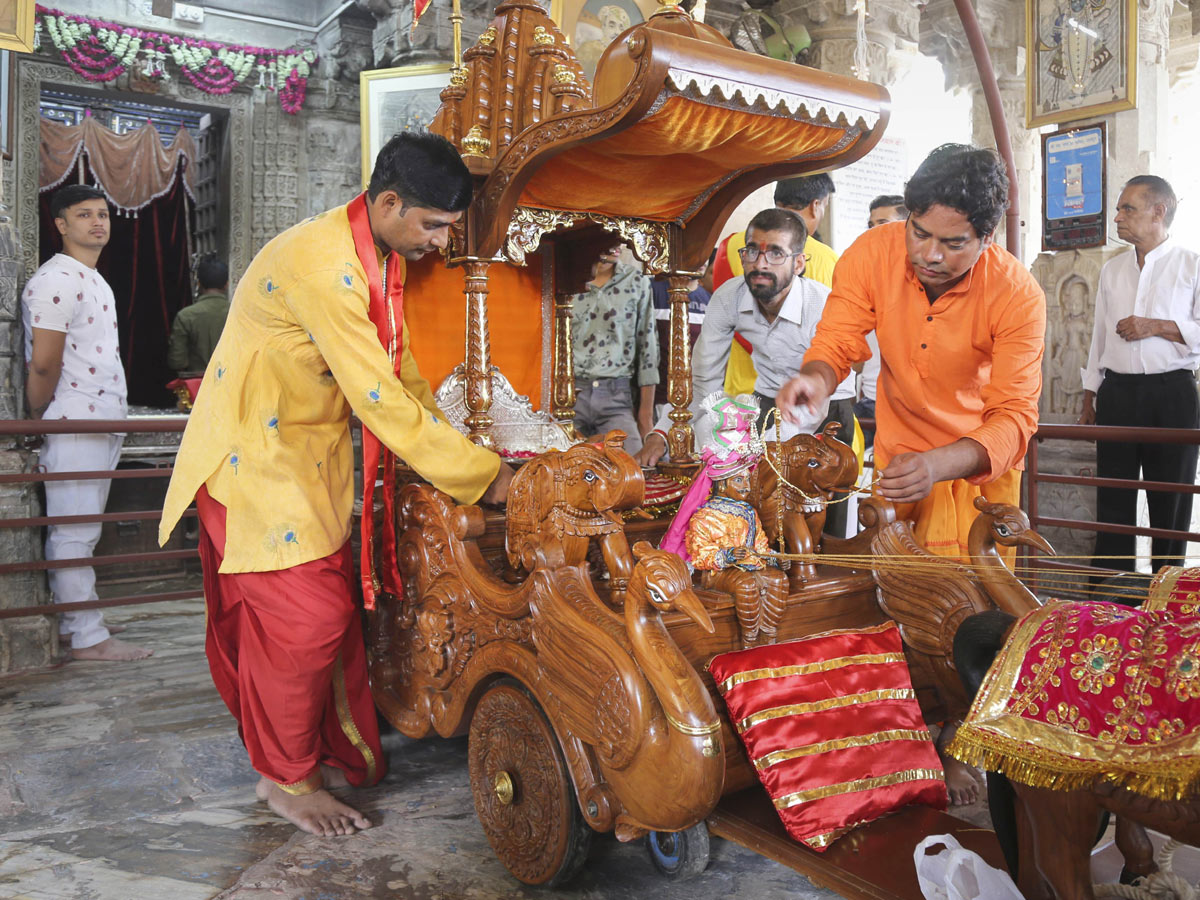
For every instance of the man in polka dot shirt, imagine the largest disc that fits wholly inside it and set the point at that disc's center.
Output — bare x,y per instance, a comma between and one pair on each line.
75,372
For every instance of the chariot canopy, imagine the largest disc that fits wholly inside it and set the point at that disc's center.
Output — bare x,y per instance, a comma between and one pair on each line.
678,128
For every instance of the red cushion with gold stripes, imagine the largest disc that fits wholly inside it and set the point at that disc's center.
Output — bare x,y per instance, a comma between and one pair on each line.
832,726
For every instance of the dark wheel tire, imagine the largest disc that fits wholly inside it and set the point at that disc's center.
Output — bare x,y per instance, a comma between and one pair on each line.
679,854
523,792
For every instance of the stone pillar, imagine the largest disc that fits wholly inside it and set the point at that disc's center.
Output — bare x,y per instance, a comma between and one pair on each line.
891,34
1070,279
25,643
329,146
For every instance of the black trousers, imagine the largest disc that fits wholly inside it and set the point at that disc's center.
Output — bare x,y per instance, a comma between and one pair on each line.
1168,400
842,412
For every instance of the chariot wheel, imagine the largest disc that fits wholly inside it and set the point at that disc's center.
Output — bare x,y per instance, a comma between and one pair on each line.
679,854
523,792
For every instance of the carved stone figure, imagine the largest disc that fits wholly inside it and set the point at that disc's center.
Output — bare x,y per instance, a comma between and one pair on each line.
1070,340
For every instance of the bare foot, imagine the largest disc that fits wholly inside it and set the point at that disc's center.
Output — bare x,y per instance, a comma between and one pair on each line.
334,777
318,813
115,629
112,650
962,781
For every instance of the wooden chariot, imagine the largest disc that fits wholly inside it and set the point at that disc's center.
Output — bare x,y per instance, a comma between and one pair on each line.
570,650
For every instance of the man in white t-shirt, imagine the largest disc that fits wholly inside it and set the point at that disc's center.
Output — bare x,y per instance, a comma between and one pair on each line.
75,372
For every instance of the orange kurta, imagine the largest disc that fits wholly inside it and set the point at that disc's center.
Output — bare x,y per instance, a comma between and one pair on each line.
967,365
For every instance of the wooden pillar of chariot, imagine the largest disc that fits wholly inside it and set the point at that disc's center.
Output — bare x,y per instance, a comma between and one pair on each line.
680,439
563,371
478,395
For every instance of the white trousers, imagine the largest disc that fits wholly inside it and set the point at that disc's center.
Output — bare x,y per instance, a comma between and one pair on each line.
77,453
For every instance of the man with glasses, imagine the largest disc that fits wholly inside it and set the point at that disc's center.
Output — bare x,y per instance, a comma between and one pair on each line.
776,309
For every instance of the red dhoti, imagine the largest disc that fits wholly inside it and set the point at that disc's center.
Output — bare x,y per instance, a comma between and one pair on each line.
286,653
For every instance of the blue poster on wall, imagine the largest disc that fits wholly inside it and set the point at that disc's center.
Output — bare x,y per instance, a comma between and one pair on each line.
1074,188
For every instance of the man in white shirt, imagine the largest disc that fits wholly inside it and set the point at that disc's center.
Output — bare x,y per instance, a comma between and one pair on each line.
776,309
1141,371
75,372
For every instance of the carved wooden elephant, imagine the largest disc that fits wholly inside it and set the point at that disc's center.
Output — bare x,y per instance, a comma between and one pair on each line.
821,468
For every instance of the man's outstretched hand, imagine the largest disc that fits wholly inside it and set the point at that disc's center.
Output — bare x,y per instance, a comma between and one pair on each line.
497,492
907,478
653,449
808,391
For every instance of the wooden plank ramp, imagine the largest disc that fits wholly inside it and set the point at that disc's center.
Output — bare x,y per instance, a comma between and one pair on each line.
873,862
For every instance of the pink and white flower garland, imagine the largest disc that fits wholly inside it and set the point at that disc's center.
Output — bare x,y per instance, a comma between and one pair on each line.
101,51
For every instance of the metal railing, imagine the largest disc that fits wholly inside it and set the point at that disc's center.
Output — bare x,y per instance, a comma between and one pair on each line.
1034,477
133,425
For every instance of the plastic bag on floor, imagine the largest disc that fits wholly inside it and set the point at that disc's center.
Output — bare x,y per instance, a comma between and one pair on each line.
957,873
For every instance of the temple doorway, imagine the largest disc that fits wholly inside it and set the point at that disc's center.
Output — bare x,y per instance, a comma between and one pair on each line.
160,168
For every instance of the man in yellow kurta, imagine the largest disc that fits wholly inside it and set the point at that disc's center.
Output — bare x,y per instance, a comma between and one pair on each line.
315,331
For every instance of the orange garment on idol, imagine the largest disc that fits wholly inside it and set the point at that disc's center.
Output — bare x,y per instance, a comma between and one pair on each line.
966,365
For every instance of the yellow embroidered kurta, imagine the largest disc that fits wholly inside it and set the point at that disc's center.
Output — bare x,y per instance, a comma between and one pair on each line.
712,533
269,433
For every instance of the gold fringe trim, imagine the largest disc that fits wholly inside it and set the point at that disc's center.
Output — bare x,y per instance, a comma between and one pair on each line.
859,740
799,709
827,665
346,720
863,784
1027,765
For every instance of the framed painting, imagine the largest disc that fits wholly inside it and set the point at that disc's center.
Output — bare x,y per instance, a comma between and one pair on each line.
1081,59
1074,213
395,100
16,25
591,25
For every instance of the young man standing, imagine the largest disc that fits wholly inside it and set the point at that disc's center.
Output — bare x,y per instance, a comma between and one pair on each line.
615,348
75,372
316,330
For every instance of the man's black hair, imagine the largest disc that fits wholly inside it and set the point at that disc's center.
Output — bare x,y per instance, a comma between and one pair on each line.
968,179
65,198
797,193
424,169
212,274
1160,191
888,200
780,220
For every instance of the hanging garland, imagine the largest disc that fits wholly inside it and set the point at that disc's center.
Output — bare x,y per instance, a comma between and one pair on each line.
101,51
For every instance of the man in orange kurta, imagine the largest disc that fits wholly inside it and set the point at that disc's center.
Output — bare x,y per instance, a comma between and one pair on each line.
315,331
961,326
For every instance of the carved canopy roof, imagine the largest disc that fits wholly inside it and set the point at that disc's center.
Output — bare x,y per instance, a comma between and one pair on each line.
679,128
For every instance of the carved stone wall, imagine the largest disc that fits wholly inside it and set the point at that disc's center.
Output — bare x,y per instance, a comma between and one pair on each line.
28,642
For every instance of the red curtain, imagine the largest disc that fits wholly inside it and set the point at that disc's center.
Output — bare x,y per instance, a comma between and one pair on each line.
148,267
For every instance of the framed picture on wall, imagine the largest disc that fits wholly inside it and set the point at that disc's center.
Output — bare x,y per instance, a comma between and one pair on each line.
1074,188
395,100
1082,59
591,25
16,25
